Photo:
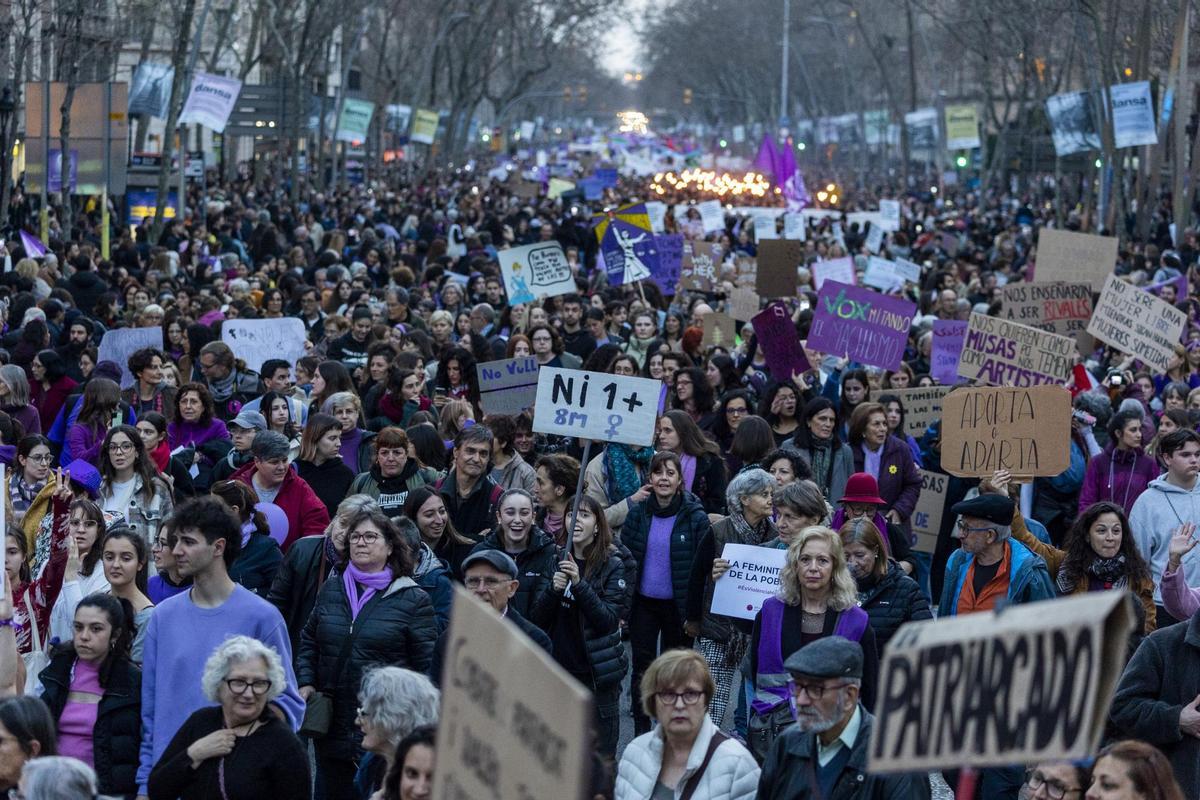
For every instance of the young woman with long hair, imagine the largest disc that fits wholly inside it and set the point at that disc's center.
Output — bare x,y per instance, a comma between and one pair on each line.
320,462
703,468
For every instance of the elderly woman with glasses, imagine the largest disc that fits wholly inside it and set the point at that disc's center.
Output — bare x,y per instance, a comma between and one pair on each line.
238,749
1056,780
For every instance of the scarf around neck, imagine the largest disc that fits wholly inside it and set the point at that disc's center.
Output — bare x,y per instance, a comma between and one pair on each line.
371,582
624,477
1111,571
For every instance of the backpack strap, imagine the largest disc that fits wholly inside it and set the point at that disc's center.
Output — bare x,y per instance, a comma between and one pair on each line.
693,782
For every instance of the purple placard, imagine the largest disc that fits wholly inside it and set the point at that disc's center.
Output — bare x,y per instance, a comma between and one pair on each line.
780,342
630,252
670,262
863,325
948,335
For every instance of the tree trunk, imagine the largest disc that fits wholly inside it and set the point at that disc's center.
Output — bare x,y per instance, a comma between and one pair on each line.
179,62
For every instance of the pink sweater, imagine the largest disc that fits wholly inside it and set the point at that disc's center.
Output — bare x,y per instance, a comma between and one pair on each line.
1180,600
78,720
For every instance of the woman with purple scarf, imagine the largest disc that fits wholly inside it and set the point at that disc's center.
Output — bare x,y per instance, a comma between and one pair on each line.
370,612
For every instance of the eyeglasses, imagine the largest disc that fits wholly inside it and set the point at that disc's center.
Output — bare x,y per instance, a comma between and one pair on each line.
815,691
689,698
364,538
489,582
736,412
540,339
1055,790
962,526
160,544
46,459
120,447
239,686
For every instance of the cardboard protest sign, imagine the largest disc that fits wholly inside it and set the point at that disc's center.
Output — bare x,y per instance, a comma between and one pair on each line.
670,262
777,262
863,325
1073,257
745,272
1007,353
719,329
927,516
780,342
889,215
1138,323
508,386
743,304
922,406
1030,684
535,270
256,340
513,723
119,344
837,269
948,336
596,405
753,576
1062,308
1024,430
526,190
712,216
701,262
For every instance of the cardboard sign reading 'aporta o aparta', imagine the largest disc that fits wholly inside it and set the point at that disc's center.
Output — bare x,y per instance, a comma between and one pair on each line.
1023,430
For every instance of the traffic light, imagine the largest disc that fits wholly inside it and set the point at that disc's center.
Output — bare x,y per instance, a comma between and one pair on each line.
566,94
687,97
583,94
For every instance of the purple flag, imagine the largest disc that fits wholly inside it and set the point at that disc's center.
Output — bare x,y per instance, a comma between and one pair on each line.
767,160
33,245
789,177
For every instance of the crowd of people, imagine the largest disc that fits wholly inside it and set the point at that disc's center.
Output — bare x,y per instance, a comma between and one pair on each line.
231,580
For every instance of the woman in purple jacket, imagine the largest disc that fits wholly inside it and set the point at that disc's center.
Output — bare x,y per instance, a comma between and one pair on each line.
888,460
1122,471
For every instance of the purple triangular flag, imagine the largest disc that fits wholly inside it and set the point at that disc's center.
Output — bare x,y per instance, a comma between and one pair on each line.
767,160
792,181
33,245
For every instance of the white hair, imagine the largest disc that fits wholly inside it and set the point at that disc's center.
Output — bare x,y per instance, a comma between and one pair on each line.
237,650
57,778
751,481
397,701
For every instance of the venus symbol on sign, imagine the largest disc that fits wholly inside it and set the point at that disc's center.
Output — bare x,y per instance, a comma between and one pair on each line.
614,422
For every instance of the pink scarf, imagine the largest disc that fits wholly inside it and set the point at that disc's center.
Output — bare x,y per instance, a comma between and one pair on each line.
372,582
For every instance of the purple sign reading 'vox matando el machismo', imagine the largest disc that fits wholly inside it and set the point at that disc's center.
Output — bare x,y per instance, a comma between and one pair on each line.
864,326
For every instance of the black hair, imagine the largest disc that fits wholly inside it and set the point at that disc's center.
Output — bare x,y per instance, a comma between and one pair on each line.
428,444
214,520
28,720
423,736
273,365
120,615
55,366
800,465
1176,440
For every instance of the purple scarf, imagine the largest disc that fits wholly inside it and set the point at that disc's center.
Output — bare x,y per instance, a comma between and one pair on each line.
689,470
371,581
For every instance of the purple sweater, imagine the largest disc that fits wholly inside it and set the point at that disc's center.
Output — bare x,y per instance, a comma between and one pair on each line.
656,570
349,450
83,441
179,639
1119,476
187,433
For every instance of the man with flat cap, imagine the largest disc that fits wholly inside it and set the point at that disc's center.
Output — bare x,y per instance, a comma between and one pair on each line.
824,755
990,568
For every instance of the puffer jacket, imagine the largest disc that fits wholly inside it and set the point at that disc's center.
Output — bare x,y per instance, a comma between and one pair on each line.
296,585
396,627
432,576
596,603
732,774
117,737
535,566
691,525
890,602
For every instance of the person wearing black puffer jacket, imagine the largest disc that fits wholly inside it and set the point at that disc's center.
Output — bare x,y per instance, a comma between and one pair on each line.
532,548
663,532
585,624
885,591
370,611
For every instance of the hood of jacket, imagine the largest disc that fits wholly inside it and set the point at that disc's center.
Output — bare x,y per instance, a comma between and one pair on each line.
427,562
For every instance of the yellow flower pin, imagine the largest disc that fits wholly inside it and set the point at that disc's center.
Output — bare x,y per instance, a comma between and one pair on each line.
892,469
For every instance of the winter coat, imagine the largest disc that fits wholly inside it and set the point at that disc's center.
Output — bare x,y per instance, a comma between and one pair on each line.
536,565
396,627
732,774
793,759
145,517
297,582
390,493
1157,512
330,480
841,467
892,601
305,512
257,563
1119,476
117,737
691,525
476,512
1162,678
516,474
899,478
1028,579
709,483
432,576
596,603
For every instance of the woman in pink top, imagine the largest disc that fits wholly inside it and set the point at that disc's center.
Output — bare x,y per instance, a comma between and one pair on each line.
94,694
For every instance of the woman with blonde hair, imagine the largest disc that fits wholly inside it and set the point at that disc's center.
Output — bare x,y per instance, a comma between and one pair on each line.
817,598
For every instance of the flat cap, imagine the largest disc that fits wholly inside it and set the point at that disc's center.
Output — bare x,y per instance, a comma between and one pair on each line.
498,559
992,507
828,657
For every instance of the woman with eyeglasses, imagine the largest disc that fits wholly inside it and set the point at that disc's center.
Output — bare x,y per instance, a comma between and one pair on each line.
129,485
1056,780
94,693
168,581
372,613
238,749
29,474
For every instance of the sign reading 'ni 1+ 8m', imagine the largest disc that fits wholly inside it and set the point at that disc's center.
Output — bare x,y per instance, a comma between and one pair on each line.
596,405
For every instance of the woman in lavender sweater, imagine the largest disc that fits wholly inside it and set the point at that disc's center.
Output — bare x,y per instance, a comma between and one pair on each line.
194,425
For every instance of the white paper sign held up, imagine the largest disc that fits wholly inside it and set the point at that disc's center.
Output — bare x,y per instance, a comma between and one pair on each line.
596,405
753,576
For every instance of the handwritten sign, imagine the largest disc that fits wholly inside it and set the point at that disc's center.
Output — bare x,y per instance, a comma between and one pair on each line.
1075,257
794,227
596,405
777,262
764,223
948,336
922,406
701,262
119,344
835,269
743,303
890,275
889,215
508,386
1024,430
1137,322
927,516
670,262
1008,353
753,576
513,723
719,330
257,340
866,326
874,238
1062,308
1027,685
535,270
780,342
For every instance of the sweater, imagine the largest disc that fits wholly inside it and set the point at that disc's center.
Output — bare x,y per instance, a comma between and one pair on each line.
330,480
1158,511
180,638
732,774
1119,476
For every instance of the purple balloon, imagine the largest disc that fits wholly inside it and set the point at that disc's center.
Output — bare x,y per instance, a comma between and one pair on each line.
277,521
